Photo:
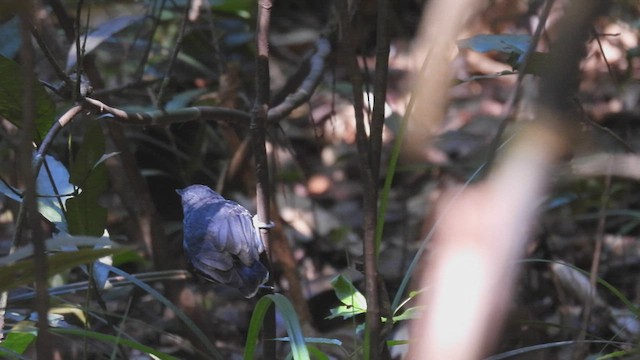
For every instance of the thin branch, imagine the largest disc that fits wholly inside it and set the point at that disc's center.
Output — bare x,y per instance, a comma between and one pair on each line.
604,56
174,56
258,134
50,57
595,266
302,95
163,118
508,111
380,86
147,51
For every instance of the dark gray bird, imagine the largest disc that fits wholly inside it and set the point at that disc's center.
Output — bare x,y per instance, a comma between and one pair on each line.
221,241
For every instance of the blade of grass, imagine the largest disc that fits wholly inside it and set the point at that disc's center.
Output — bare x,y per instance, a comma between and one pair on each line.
283,306
190,324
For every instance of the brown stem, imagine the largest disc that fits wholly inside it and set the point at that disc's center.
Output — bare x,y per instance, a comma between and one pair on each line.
258,131
369,201
43,341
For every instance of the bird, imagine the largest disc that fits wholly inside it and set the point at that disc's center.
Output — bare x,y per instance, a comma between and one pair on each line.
221,241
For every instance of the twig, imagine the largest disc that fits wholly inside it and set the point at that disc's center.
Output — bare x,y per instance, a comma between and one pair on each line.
156,23
258,134
302,95
604,56
163,118
595,266
508,110
79,52
174,56
50,57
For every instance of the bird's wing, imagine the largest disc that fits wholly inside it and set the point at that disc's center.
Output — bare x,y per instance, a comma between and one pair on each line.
231,230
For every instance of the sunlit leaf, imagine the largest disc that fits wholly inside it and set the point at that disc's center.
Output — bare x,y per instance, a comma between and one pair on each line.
348,294
20,337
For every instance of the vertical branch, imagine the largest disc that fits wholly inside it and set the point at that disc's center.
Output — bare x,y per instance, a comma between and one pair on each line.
43,342
369,201
379,87
258,131
372,244
581,348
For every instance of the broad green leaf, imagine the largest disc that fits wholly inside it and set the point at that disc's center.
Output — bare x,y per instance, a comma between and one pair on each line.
22,272
84,215
348,294
20,337
58,243
11,96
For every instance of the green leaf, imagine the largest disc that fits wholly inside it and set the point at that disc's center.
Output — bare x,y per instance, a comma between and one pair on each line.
12,93
20,337
409,314
348,294
86,217
397,342
22,272
283,306
58,243
88,171
345,311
